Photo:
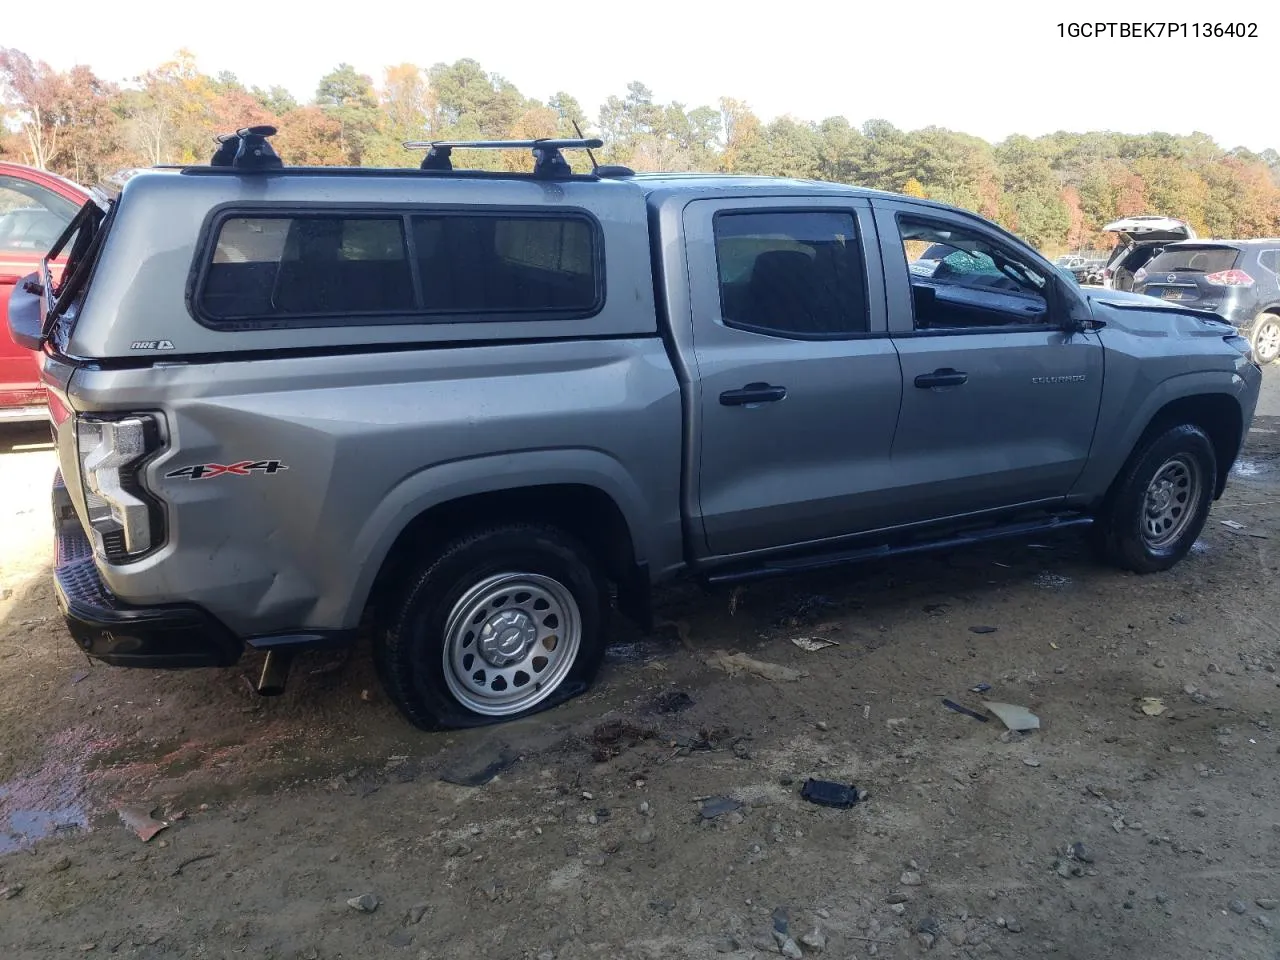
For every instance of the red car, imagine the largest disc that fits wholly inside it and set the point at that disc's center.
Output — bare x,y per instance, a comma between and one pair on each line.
35,207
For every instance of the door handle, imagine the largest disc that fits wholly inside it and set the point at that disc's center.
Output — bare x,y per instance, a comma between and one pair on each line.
752,393
945,377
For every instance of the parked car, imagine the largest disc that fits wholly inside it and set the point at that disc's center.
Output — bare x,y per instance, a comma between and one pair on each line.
1138,240
35,207
1083,269
1239,280
464,410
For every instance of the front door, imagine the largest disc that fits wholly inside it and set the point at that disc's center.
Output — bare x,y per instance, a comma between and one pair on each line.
999,403
797,383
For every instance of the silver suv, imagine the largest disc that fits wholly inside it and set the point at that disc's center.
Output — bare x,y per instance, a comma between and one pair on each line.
466,411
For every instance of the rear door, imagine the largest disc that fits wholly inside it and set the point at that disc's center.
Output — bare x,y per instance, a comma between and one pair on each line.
32,216
796,384
999,403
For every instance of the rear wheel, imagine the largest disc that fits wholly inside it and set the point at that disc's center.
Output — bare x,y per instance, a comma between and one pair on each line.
1266,338
1161,501
501,623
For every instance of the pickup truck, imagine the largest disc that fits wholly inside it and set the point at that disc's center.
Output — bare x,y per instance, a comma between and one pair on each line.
471,412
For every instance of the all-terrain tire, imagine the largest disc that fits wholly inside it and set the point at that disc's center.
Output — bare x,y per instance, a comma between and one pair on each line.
1160,502
429,653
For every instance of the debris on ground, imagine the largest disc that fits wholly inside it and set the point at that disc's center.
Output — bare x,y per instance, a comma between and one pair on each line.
981,629
829,794
140,821
365,903
714,807
980,688
11,891
672,701
736,663
612,737
1232,524
1016,718
77,677
960,708
478,768
1152,706
813,644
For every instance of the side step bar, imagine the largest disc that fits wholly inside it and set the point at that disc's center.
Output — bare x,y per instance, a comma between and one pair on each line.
803,563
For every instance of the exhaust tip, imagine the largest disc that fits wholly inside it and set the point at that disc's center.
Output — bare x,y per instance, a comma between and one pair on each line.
275,673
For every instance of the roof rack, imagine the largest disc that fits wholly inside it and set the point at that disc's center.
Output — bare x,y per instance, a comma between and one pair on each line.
547,159
246,149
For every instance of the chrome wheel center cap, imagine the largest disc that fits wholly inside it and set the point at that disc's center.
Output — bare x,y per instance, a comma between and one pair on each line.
507,637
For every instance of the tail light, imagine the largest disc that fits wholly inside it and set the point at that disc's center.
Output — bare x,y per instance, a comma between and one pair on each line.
1229,278
1140,276
1106,273
125,521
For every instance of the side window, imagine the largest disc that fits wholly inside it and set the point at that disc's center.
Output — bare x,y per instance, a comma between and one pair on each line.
961,279
507,264
794,274
280,267
267,268
1270,259
32,217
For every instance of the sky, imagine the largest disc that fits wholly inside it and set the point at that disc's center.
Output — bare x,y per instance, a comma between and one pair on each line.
979,66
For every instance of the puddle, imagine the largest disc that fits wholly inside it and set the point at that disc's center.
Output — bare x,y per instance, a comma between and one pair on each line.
42,804
1052,581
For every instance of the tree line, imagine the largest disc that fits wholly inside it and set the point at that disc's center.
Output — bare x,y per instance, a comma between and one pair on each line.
1056,191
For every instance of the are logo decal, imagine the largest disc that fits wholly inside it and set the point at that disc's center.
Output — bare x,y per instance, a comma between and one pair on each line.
207,471
151,345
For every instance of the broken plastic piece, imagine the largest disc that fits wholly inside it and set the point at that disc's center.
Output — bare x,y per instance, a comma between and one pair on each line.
718,806
960,708
813,644
1233,524
828,794
1152,706
980,688
1018,719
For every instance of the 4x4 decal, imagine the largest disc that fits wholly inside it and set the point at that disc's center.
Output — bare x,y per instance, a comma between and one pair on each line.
207,471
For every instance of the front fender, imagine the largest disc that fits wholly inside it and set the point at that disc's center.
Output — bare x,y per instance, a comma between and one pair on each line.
441,483
1127,415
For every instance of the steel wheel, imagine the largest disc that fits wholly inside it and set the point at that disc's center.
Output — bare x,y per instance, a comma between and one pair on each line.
1266,339
1170,502
509,643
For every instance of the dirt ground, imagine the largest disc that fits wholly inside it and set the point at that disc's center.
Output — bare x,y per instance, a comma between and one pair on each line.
596,840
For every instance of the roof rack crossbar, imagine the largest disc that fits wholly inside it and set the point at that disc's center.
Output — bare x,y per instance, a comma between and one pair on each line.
548,162
548,144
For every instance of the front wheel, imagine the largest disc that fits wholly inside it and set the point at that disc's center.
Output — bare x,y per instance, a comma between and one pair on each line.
1266,338
1161,502
501,623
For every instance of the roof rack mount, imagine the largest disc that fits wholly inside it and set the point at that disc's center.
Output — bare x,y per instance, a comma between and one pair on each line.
547,159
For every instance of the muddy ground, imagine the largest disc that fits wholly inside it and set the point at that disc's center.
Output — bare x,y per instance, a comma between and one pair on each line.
591,841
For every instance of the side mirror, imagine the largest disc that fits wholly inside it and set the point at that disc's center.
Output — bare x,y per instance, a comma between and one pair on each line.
25,320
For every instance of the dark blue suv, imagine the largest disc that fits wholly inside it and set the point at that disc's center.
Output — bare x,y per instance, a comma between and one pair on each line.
1237,279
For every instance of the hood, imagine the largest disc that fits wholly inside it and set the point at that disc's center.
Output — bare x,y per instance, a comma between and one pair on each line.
1124,300
1155,229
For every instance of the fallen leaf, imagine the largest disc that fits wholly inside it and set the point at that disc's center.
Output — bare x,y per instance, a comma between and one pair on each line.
140,821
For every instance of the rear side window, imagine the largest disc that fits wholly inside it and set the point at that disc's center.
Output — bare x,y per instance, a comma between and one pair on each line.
1193,260
278,268
1270,260
792,274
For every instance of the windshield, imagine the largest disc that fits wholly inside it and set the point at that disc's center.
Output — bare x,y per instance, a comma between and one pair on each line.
1194,260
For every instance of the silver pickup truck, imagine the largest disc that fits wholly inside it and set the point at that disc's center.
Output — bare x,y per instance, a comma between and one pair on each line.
472,412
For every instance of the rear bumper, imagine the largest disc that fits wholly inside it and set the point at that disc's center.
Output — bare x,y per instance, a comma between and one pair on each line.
119,633
158,636
31,413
